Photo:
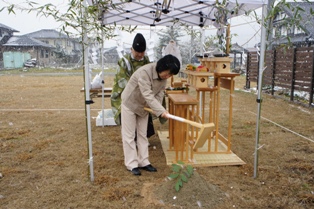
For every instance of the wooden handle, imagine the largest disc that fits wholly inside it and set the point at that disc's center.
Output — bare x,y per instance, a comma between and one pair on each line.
199,125
148,110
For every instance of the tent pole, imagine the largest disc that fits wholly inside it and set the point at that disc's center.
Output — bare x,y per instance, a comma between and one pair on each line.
88,101
202,53
260,79
202,40
102,80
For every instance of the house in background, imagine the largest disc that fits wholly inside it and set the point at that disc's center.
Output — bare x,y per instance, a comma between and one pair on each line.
49,47
67,49
19,49
299,35
238,53
5,34
109,55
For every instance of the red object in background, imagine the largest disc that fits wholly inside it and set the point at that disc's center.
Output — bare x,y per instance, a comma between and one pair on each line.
201,68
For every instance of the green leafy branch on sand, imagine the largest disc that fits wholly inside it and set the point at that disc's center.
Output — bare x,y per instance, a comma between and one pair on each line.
181,173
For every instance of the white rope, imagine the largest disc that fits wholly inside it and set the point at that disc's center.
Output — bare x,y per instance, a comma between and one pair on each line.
285,128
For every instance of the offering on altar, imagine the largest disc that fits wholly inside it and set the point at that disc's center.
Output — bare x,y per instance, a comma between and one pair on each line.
201,68
190,67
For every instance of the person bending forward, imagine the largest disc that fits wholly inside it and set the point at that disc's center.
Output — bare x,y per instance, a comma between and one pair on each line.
144,89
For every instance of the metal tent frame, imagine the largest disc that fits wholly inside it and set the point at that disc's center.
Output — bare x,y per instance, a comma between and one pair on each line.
168,13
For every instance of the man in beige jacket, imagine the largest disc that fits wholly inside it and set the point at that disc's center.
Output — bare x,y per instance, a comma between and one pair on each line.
144,89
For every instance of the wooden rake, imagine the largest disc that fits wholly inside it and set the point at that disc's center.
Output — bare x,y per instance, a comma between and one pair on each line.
205,129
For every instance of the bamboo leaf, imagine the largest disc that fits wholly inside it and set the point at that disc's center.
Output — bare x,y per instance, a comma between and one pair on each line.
11,9
301,9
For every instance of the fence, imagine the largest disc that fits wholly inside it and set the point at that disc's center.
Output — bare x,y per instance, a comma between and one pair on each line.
288,69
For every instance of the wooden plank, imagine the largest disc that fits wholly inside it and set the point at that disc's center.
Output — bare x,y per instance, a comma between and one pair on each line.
98,90
106,95
182,99
303,82
205,132
283,85
253,75
283,69
305,66
226,83
283,79
298,88
306,71
304,58
267,82
303,77
284,74
283,65
284,58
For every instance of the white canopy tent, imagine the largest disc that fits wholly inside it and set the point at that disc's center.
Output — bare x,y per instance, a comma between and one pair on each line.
168,13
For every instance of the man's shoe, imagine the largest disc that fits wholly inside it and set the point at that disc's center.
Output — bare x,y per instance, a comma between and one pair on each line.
136,171
149,168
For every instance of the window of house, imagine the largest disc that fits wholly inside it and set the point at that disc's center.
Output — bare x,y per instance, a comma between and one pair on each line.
46,53
42,52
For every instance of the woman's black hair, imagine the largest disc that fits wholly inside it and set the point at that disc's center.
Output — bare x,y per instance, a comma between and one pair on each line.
168,62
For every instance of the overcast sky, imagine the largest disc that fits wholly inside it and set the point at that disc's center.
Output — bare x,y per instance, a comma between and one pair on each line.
247,30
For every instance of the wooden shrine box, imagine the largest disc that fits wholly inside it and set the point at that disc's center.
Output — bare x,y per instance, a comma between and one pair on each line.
217,64
198,79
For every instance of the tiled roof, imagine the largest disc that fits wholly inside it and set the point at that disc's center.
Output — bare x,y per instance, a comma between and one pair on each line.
47,33
236,48
26,41
8,28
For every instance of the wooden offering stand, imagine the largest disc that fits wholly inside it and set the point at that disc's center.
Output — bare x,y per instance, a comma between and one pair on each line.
182,137
217,64
226,81
182,105
219,69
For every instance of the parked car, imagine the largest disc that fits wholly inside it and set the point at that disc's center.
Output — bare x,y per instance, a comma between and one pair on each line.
30,63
